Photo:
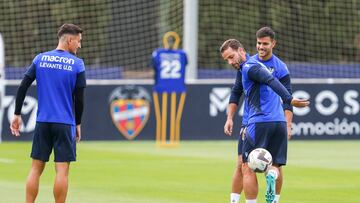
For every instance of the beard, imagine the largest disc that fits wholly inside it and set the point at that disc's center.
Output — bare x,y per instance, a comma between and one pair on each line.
236,65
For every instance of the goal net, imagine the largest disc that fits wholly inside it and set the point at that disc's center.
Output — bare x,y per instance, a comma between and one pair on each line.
118,40
315,38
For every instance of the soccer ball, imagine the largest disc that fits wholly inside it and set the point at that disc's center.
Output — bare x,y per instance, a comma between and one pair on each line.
259,160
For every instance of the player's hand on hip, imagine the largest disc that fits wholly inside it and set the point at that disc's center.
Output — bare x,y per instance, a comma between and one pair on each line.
78,133
228,127
300,102
15,125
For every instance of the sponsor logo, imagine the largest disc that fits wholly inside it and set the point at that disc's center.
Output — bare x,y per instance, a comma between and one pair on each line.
62,63
331,113
59,59
129,109
327,103
335,127
28,112
334,114
219,100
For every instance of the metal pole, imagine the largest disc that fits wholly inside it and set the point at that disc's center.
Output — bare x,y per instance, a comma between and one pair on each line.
2,82
191,37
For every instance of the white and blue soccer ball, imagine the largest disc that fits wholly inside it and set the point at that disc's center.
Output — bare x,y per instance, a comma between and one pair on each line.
259,160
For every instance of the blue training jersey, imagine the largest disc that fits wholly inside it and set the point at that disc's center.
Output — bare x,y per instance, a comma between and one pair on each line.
277,68
169,68
262,104
56,74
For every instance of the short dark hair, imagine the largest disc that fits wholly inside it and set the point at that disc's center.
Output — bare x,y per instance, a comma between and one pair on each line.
233,43
69,28
265,32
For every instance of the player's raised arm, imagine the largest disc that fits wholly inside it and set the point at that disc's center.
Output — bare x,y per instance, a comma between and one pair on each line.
286,82
299,102
262,75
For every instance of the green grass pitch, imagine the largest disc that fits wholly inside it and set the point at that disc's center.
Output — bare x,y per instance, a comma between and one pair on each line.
195,172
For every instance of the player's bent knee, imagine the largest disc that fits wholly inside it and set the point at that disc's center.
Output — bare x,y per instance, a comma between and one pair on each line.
239,160
246,169
239,165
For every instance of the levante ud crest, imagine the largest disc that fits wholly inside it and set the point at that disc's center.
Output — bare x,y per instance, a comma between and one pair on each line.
130,109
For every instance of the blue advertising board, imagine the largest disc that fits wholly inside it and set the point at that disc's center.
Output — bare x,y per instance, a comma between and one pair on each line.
334,112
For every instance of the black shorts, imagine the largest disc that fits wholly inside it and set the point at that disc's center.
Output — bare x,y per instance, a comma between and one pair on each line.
61,137
269,135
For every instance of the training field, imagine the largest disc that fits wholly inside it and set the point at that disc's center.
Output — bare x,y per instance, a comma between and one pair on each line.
196,172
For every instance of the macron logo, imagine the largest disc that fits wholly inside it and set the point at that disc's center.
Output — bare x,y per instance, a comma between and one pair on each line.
59,59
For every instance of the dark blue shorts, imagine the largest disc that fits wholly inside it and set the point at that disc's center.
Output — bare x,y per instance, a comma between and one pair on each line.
57,136
269,135
241,139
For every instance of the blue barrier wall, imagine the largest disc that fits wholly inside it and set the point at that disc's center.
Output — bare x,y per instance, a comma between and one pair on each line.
333,113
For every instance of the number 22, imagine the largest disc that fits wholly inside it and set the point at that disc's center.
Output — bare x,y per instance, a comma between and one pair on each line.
170,69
